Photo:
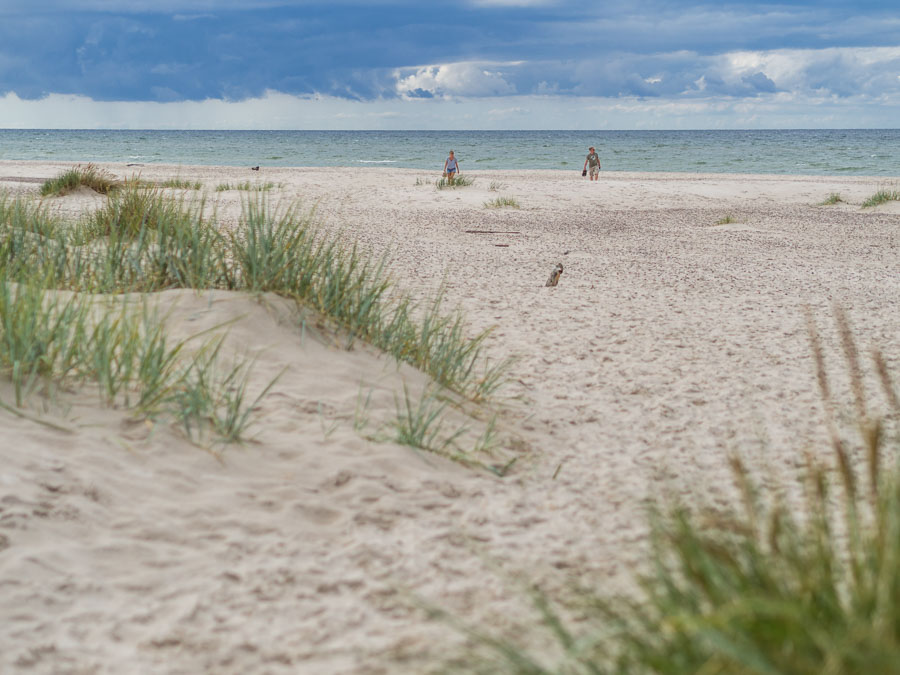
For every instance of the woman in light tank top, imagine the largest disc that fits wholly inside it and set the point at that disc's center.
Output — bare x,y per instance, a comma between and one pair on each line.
451,167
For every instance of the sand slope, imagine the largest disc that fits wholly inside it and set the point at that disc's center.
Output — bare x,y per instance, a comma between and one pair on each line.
669,342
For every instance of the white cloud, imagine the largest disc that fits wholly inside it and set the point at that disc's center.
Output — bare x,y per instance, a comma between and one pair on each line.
454,79
839,70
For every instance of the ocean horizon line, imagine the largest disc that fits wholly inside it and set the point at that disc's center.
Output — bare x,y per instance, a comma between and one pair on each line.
458,131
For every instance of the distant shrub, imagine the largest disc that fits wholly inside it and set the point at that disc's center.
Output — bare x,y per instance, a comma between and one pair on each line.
458,182
500,202
882,196
181,184
90,176
246,186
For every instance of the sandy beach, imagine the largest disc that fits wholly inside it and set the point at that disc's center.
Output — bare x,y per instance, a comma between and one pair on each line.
677,335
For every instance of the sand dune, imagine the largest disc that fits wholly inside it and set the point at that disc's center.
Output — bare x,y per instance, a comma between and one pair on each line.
669,342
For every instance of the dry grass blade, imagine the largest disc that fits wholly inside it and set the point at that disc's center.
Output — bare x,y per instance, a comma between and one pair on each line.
886,381
851,354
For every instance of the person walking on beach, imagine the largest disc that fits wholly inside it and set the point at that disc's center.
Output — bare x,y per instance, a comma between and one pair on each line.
594,160
451,167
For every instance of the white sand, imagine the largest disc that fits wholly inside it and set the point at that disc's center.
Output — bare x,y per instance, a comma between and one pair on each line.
669,342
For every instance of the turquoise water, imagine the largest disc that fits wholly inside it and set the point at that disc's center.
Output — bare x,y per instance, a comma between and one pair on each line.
817,152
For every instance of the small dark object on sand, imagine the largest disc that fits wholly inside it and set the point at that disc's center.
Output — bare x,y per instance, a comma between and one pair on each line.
555,275
254,168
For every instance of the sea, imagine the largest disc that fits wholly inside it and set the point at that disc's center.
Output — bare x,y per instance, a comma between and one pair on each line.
848,152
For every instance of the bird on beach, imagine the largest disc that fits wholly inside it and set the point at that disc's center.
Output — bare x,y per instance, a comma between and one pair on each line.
555,275
254,168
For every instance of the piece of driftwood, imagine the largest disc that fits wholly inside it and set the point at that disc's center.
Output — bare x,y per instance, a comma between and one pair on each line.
555,275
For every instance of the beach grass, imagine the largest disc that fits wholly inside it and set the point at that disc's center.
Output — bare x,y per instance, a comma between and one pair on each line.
89,176
804,580
24,215
48,342
282,251
459,182
245,186
502,202
181,184
882,196
136,209
833,198
726,220
420,424
143,241
426,423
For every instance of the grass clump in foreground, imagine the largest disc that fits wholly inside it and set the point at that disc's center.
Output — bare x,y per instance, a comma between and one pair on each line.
833,198
882,196
727,220
47,343
144,241
767,586
501,202
90,176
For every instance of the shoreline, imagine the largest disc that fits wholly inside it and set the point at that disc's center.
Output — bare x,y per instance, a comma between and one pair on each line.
672,340
65,164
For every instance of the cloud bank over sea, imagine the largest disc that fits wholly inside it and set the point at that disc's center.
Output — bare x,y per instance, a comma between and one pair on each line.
477,64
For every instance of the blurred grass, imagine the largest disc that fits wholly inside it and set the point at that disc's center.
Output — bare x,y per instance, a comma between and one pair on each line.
768,585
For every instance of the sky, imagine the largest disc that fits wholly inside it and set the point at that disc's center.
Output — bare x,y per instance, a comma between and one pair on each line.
432,64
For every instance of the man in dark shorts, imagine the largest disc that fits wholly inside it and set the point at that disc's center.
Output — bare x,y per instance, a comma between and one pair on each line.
593,159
